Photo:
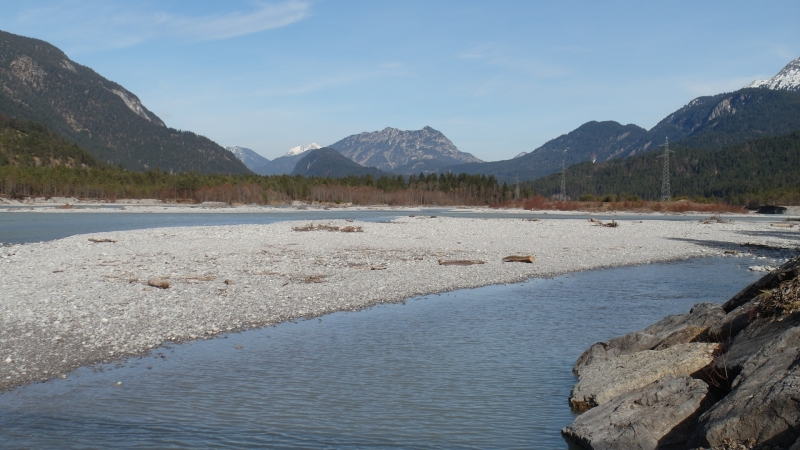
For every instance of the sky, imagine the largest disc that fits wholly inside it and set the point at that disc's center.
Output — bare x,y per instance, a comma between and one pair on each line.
496,77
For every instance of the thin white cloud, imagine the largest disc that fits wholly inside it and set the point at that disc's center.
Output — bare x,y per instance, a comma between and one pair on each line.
87,26
209,28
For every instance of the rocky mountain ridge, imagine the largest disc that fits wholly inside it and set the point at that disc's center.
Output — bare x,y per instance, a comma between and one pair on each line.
399,151
787,79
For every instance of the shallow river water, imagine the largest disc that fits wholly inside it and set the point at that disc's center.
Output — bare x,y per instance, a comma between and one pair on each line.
18,226
480,368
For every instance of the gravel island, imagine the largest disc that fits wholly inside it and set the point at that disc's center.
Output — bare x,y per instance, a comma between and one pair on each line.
102,297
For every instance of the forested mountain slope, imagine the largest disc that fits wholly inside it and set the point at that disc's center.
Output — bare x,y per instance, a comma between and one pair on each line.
589,142
28,144
39,82
761,170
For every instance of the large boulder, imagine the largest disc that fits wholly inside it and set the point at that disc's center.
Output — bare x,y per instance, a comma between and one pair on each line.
764,404
604,380
670,331
661,415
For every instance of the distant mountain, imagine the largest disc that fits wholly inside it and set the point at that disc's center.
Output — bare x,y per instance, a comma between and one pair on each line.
723,120
250,158
746,174
788,79
327,162
29,144
302,149
39,82
592,141
407,152
707,123
285,164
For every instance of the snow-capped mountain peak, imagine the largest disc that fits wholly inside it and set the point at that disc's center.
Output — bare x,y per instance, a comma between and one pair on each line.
302,149
788,79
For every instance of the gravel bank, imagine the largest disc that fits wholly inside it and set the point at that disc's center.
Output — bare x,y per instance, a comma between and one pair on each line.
74,302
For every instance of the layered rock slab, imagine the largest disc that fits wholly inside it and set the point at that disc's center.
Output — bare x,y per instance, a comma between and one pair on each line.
604,380
670,331
661,415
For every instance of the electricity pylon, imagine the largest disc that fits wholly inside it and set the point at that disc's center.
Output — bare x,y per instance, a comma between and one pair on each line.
564,177
666,195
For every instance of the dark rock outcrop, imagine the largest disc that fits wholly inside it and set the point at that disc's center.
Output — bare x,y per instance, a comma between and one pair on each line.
764,404
645,418
750,340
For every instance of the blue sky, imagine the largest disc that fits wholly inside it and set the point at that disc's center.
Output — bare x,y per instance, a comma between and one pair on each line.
496,77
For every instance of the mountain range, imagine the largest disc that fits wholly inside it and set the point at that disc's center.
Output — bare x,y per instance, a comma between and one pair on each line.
708,123
404,152
39,82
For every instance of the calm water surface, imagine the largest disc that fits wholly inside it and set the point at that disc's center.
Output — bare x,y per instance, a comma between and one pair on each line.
481,368
20,227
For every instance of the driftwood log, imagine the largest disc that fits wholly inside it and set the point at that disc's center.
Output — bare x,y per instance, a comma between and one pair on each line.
612,224
519,258
460,262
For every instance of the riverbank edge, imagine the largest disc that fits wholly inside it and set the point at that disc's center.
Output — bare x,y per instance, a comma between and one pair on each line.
75,205
92,360
716,412
103,355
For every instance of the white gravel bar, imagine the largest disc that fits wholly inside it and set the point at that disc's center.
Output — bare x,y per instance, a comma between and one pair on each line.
75,302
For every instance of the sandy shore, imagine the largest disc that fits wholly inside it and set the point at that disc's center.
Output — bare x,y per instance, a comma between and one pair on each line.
74,302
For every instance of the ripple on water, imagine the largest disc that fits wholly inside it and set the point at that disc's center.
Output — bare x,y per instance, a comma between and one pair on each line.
481,368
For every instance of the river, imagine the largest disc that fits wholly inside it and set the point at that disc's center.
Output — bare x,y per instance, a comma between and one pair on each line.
481,368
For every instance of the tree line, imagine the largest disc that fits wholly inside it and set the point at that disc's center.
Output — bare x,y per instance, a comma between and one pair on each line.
116,183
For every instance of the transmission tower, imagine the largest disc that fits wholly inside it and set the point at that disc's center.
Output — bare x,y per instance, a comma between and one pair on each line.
516,188
564,177
666,195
